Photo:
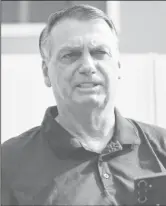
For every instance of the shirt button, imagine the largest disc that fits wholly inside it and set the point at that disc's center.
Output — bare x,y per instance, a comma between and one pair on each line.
106,175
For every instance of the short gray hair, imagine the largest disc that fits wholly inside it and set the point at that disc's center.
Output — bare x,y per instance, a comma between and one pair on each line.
79,12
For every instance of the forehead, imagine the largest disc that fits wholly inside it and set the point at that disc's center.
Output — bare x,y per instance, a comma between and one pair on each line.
75,33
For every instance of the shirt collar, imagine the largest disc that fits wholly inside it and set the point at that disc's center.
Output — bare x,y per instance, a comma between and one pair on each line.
63,143
125,131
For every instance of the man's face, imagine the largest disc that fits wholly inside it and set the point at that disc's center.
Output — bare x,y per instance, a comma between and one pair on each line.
83,66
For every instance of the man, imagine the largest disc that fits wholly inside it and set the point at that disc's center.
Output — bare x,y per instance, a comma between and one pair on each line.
84,152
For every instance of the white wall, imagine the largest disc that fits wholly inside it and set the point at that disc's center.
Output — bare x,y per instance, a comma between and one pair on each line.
24,95
143,26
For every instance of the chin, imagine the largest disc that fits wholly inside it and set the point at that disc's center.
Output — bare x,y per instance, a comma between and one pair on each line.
91,100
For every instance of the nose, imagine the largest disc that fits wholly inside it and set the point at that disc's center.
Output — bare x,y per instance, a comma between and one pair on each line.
87,66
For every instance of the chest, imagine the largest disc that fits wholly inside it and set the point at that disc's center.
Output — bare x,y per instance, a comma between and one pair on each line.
101,180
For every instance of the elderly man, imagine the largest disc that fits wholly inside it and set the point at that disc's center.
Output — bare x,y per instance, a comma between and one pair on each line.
84,152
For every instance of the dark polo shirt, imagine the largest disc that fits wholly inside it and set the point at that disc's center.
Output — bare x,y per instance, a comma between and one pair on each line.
46,166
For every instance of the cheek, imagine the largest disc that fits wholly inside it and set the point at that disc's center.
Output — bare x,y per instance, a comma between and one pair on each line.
109,70
60,79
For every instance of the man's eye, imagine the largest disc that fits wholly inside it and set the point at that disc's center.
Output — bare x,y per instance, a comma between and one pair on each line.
101,54
70,57
66,56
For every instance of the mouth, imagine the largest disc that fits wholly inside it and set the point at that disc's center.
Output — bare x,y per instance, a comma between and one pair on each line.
88,85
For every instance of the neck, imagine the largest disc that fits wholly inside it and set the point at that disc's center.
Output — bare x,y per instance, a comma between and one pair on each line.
93,126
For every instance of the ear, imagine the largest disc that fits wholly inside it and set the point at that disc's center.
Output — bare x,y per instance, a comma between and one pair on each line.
119,65
45,73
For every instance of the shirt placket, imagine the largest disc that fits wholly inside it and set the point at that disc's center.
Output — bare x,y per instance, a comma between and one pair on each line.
107,180
104,170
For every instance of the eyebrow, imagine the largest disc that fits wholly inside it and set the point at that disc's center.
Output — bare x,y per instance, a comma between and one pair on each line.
66,48
99,46
77,48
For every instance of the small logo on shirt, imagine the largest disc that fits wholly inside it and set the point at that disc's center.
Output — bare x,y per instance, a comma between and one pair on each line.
114,146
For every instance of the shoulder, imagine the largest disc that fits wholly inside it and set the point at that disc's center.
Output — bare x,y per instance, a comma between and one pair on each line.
13,148
155,134
21,140
14,155
152,129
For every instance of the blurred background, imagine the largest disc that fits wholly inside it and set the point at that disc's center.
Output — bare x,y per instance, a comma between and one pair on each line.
142,33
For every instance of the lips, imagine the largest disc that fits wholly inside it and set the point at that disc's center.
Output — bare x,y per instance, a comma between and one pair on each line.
87,85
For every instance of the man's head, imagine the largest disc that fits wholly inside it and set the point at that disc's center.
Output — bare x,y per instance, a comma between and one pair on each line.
79,47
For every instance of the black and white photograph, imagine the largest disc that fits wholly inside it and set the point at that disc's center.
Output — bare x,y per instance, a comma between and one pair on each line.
83,103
